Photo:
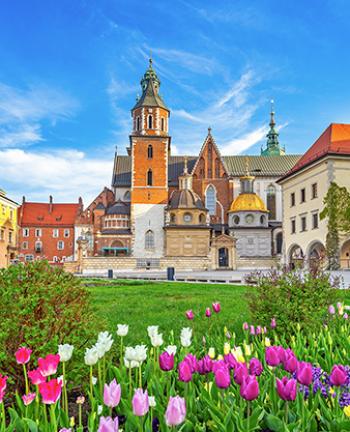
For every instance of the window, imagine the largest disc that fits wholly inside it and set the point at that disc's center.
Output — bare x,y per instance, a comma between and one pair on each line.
293,226
138,123
262,220
202,218
25,245
187,217
302,195
314,220
29,257
55,232
127,196
172,218
38,232
149,178
66,233
55,259
11,214
149,240
236,220
10,237
163,124
60,245
210,199
271,201
38,247
150,122
303,223
314,190
150,152
217,168
2,234
249,219
292,199
25,232
279,243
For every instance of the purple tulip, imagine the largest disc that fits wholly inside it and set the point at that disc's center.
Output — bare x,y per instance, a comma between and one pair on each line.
281,353
176,411
252,330
218,365
190,314
107,424
216,307
304,373
338,376
192,361
230,360
241,372
140,402
258,330
249,388
185,374
286,388
272,356
255,367
166,361
245,326
222,377
345,316
273,324
111,394
208,312
331,309
204,365
290,362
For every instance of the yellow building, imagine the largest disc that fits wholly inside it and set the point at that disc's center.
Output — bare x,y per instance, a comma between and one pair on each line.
8,229
304,187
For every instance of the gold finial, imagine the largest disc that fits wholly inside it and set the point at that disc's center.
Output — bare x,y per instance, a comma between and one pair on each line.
247,165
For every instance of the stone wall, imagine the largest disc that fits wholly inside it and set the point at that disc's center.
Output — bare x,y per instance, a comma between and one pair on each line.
257,263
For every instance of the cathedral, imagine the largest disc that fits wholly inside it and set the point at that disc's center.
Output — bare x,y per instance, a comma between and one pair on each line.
222,209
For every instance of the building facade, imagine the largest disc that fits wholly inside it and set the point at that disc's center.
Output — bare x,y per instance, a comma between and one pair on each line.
8,229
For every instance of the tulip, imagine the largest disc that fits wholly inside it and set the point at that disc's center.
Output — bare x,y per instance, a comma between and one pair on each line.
347,411
245,326
186,335
3,383
204,365
157,340
152,330
238,354
249,388
222,377
345,316
211,353
281,353
273,323
252,330
189,314
50,391
23,355
91,356
48,365
122,330
111,394
28,398
36,377
227,348
140,402
192,361
219,364
230,360
185,373
338,376
171,349
241,372
304,373
286,388
331,309
107,424
208,312
290,362
152,401
65,352
176,411
267,342
272,356
216,307
166,361
255,367
258,330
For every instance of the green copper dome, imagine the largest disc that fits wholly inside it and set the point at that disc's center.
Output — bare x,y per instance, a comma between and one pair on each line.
150,74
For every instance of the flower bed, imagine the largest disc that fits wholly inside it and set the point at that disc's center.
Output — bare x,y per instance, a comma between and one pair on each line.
190,382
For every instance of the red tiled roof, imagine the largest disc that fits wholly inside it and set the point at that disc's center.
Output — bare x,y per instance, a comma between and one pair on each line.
36,214
334,140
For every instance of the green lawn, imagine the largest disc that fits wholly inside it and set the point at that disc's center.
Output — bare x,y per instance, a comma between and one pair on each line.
141,304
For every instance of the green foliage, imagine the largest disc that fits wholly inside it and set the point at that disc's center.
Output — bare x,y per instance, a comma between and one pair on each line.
41,307
292,298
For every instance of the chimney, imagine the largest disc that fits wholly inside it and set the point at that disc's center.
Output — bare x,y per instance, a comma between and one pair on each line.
51,201
81,205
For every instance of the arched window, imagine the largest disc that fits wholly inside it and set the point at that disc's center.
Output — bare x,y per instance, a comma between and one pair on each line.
210,199
38,246
271,201
150,152
149,178
138,123
150,122
202,167
172,218
149,240
279,243
202,218
163,124
127,196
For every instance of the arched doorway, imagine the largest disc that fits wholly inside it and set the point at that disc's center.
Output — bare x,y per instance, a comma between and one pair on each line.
345,255
316,255
296,256
223,257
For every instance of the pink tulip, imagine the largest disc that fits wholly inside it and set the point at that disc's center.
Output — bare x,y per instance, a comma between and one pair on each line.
185,374
290,362
111,394
219,364
281,353
216,307
331,309
252,330
222,377
176,411
345,316
190,314
245,326
255,367
35,377
208,312
166,361
3,384
249,388
258,330
192,361
230,360
273,324
23,355
204,365
304,373
48,365
65,430
107,424
28,398
241,372
338,376
272,356
51,391
286,388
140,402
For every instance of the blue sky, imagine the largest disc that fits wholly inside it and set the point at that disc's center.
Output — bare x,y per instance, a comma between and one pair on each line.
70,72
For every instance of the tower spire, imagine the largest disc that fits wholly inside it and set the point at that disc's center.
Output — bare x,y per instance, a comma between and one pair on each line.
273,147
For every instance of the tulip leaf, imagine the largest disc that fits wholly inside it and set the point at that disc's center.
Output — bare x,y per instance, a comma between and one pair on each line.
31,424
274,423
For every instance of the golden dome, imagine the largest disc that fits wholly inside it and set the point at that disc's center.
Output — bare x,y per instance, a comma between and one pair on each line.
248,202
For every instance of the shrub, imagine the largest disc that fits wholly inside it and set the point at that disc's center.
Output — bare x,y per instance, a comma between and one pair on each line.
41,306
292,297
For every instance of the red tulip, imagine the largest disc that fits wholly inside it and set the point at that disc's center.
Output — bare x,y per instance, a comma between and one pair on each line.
23,355
286,388
51,391
189,314
304,373
166,361
216,307
249,388
338,376
3,384
185,373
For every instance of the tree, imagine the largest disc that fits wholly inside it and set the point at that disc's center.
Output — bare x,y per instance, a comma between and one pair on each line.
337,211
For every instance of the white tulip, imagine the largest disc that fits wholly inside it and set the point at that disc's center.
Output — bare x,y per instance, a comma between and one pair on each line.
186,335
91,356
157,340
99,409
152,401
94,380
171,349
152,330
65,352
122,330
140,353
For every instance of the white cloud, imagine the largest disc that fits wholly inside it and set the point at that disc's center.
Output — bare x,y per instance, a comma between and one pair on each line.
239,145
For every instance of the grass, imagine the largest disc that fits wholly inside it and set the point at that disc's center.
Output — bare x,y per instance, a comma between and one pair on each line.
141,303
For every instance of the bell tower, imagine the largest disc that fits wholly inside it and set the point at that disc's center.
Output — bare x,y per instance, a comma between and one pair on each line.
149,150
